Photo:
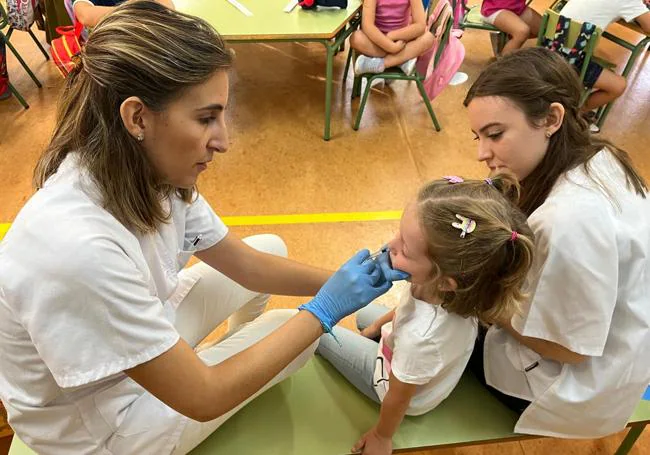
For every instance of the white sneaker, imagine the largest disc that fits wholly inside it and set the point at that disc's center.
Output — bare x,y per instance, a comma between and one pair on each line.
408,67
365,65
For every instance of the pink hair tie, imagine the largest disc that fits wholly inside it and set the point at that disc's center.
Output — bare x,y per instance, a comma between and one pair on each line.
514,236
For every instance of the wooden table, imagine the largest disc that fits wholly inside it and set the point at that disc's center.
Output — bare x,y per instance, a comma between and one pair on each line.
269,23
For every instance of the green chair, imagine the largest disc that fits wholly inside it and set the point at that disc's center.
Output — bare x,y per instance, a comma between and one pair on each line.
4,22
472,19
547,30
397,74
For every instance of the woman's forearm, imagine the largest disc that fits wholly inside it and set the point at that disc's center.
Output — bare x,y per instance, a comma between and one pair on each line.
280,276
544,348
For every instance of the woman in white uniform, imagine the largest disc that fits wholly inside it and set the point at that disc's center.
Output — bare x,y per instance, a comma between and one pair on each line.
574,361
98,319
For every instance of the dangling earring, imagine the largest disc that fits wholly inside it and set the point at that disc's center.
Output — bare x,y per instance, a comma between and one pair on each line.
140,137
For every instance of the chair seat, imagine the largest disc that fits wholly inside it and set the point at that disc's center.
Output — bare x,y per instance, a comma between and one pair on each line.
474,19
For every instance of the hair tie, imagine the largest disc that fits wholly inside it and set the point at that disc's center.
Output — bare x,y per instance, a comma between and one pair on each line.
489,181
77,64
514,236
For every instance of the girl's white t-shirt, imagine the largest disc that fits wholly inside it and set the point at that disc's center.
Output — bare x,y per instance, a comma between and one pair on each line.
427,346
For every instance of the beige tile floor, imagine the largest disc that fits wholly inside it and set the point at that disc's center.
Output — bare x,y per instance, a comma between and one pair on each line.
278,163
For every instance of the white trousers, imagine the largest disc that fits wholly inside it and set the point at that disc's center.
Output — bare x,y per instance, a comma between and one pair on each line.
212,300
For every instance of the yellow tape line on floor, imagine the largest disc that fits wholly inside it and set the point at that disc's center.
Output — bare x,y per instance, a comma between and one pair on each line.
308,218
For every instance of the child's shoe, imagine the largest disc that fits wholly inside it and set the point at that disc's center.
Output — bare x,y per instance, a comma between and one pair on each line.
365,65
408,67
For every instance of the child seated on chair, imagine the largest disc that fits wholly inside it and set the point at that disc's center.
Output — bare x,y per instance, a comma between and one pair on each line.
607,84
393,33
467,249
513,17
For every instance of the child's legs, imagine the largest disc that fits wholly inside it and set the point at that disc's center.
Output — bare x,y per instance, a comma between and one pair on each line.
369,314
213,297
360,42
354,358
533,20
609,86
515,26
412,49
195,432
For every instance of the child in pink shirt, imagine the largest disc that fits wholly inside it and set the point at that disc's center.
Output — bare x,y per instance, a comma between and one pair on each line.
393,33
513,17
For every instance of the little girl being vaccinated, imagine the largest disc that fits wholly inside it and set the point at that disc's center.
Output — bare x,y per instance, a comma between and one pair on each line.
467,249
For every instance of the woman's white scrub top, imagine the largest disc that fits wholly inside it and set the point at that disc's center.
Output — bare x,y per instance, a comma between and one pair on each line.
589,291
82,299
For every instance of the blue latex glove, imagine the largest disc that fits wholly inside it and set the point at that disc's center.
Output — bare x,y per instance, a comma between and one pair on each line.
352,287
387,271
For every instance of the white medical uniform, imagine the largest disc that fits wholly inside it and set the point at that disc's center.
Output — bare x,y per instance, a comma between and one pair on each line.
603,12
589,291
82,299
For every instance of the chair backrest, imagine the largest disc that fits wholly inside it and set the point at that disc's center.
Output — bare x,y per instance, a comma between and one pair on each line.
549,29
4,21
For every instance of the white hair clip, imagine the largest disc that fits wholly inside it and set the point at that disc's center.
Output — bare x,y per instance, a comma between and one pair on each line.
466,226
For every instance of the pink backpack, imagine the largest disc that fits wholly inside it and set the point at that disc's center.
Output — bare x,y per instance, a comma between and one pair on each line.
437,76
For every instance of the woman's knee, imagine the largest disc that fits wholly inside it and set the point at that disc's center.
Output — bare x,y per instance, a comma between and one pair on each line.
268,243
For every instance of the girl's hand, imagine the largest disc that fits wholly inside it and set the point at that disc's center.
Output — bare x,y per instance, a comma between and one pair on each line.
372,331
372,443
398,46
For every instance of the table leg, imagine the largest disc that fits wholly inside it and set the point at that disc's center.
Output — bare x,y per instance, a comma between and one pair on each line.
328,88
631,437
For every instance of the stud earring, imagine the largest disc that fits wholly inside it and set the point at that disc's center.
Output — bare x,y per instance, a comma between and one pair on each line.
549,134
140,137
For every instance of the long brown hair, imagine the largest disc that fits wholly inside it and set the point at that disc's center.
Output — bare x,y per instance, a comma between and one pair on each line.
490,264
140,49
532,79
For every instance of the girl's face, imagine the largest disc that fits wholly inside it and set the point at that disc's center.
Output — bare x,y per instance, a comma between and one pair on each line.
408,250
506,139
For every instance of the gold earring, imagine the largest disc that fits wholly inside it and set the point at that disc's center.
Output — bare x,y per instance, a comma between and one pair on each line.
549,134
140,137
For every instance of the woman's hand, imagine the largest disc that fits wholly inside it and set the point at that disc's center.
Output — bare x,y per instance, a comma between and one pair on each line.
357,283
372,443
